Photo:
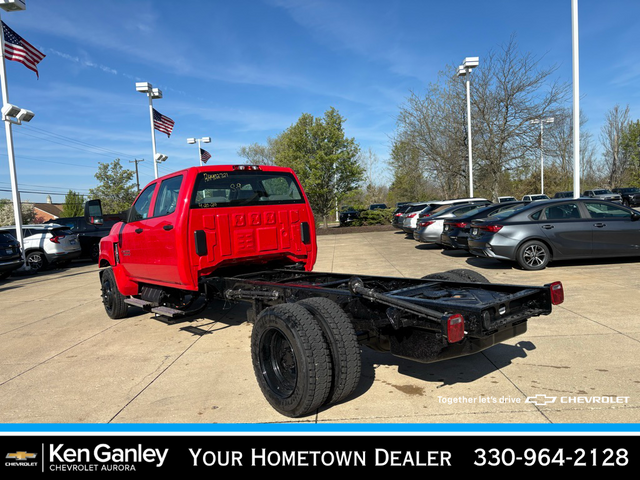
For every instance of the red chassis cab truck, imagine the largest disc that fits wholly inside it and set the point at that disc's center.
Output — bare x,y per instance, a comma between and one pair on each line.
246,233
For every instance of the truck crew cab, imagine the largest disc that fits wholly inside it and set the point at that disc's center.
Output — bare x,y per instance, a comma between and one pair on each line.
247,233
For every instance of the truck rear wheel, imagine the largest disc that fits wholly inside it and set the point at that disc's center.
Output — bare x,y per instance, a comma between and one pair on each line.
112,299
291,359
343,345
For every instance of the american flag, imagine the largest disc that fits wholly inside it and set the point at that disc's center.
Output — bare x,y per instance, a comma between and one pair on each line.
204,155
162,123
19,50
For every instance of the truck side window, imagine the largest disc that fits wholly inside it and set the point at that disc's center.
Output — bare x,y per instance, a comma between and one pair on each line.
140,209
167,198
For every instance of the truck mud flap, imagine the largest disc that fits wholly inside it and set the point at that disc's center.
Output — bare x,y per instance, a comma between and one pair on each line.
422,346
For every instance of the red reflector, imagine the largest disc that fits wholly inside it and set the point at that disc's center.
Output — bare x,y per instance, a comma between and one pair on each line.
455,328
246,167
557,293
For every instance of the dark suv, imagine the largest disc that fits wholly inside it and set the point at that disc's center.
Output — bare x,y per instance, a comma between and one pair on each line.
89,235
630,195
10,254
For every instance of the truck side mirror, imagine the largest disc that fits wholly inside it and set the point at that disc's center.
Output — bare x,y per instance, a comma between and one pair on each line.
93,212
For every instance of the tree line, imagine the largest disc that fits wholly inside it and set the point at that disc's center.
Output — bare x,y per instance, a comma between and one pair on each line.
511,92
428,154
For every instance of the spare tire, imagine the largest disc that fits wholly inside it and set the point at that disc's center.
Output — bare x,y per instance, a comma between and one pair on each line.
469,275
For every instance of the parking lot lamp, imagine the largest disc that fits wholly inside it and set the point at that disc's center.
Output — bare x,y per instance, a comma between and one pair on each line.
152,93
464,70
12,114
542,121
198,140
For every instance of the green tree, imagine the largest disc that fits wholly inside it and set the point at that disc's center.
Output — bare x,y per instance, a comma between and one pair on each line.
115,189
325,160
73,205
631,152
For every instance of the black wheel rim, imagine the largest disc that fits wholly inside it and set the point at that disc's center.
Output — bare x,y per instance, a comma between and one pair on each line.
278,363
107,295
534,256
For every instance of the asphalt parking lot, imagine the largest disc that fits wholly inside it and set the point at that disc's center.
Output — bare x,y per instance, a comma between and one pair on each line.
64,361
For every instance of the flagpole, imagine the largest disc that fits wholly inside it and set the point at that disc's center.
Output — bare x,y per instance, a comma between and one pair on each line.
15,194
199,152
153,136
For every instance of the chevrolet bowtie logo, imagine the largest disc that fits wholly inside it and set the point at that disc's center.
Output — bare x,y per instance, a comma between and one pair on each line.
21,455
541,399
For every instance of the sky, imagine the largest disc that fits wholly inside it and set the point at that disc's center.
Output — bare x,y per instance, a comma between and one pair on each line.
242,71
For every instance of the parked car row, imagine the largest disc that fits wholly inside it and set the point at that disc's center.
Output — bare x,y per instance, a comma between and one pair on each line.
531,233
56,242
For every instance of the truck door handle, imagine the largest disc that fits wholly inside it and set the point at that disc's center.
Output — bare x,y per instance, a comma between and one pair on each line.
168,227
547,227
599,225
138,230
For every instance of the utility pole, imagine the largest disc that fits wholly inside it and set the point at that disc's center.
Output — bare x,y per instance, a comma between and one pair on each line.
137,180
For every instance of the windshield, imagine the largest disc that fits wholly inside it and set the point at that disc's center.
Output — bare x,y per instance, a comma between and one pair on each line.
601,192
244,188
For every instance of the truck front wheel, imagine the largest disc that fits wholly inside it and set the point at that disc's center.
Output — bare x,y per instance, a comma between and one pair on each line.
291,359
112,299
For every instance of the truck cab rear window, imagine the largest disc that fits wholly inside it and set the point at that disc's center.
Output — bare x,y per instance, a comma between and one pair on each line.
245,188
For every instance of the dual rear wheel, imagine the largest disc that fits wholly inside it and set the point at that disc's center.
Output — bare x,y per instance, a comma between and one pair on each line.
305,355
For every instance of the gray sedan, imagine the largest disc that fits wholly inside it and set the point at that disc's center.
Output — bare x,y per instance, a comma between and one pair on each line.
558,230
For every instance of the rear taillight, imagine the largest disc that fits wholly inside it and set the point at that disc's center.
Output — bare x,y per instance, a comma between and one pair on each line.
56,239
424,215
426,224
411,215
557,293
398,215
460,225
455,328
491,228
246,167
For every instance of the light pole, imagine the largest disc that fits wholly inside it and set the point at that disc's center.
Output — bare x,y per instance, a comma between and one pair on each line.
542,121
464,70
152,93
576,98
198,140
12,115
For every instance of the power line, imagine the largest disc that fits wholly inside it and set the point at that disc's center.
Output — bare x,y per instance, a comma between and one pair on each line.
79,142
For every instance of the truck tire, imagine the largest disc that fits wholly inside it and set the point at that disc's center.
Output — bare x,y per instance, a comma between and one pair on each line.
469,275
112,299
291,359
451,277
341,338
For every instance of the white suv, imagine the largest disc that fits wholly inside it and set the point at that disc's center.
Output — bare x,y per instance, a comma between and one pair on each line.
47,244
411,221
